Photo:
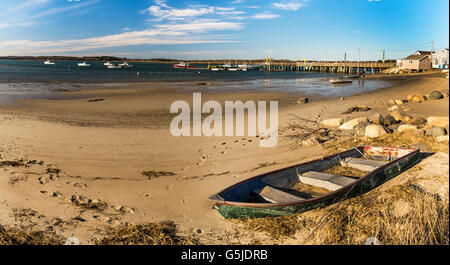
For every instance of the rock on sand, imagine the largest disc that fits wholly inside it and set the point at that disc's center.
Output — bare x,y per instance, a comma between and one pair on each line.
375,131
435,95
352,123
436,131
405,127
332,122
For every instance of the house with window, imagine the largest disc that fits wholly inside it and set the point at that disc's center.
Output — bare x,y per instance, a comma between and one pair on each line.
419,61
441,59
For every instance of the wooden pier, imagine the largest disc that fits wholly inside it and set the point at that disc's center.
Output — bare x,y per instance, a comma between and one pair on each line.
328,67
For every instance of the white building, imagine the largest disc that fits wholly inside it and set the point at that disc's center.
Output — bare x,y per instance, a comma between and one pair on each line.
441,59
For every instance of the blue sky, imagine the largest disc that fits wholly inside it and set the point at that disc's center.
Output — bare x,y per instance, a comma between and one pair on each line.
207,29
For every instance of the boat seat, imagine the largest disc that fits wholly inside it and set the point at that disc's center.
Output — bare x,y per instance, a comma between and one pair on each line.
325,180
363,164
275,195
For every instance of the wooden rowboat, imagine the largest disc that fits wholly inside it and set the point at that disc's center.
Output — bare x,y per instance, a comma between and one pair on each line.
307,186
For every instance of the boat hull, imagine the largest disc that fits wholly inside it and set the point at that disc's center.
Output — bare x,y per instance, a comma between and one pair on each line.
231,210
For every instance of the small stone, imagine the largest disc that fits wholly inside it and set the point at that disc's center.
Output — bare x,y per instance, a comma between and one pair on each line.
376,118
414,133
436,131
401,116
352,123
416,98
422,146
399,102
435,95
418,121
389,120
341,99
405,127
44,180
332,122
375,131
391,102
302,100
395,107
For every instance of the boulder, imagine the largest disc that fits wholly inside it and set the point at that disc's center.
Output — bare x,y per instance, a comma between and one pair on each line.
352,123
422,146
389,120
416,98
399,102
440,121
414,133
375,131
436,131
360,129
332,122
395,107
376,118
302,100
435,95
418,121
391,102
401,116
405,127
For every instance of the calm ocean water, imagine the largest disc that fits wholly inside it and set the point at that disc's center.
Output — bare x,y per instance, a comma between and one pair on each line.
32,78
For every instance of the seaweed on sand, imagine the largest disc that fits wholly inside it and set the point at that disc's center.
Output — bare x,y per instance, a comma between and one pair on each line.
20,236
151,174
163,233
17,163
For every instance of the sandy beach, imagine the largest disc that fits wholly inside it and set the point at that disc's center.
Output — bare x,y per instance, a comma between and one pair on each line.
94,145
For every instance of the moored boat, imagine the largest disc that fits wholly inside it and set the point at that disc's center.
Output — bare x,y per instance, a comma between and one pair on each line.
314,184
83,64
183,65
108,63
125,65
113,66
48,62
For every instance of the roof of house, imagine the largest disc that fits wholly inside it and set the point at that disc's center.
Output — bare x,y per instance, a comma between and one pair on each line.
416,57
423,52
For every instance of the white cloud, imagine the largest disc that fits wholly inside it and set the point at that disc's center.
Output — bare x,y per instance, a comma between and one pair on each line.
201,26
265,15
288,5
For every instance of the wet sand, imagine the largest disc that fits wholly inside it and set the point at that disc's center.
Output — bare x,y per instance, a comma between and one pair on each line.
103,140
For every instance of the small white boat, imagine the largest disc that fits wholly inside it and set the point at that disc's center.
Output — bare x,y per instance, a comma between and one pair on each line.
233,69
112,66
83,64
340,81
49,62
125,64
108,63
